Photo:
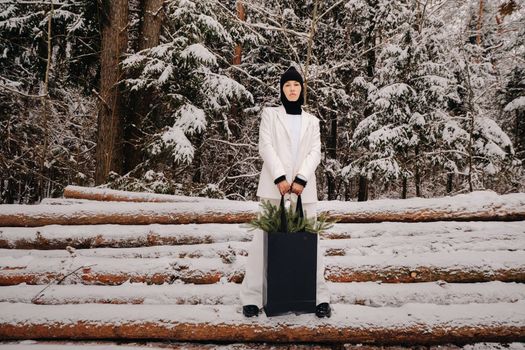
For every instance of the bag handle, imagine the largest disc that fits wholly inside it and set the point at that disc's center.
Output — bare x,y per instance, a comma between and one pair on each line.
299,206
283,227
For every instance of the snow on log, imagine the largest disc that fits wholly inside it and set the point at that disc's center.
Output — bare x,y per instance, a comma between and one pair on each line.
477,206
456,266
508,237
397,234
107,194
460,266
362,293
119,236
431,230
64,201
409,324
127,213
227,251
97,270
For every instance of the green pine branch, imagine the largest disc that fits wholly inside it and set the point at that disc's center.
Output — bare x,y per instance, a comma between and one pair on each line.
269,220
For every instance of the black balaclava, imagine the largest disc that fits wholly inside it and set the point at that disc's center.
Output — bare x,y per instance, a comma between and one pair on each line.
292,107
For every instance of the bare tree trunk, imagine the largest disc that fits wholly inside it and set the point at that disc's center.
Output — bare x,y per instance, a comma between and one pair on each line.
309,50
470,116
362,196
151,23
470,150
114,42
519,133
348,190
404,185
241,13
197,159
417,176
149,36
480,23
370,42
450,182
331,150
45,109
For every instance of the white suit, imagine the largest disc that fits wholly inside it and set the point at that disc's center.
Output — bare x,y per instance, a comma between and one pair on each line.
276,152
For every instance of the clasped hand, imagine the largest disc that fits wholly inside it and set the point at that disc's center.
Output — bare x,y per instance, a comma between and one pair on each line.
284,187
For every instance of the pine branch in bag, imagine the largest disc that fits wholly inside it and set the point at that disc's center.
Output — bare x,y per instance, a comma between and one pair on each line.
269,220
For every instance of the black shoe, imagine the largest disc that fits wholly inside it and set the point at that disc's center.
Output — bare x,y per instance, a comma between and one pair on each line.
250,310
323,310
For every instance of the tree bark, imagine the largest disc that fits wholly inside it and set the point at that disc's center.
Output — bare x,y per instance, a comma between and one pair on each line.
404,186
370,42
362,195
109,154
501,208
149,36
309,49
480,23
450,182
191,272
241,14
46,110
331,150
186,213
427,324
417,176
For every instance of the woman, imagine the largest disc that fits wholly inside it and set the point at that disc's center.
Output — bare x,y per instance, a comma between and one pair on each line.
290,146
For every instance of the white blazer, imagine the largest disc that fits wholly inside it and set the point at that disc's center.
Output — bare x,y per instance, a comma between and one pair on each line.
275,149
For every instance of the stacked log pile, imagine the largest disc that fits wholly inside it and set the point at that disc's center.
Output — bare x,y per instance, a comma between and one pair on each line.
138,267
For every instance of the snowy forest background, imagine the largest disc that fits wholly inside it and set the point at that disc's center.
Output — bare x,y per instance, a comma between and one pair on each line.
416,97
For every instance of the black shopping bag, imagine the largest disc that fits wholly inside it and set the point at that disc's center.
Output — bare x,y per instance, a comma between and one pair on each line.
290,268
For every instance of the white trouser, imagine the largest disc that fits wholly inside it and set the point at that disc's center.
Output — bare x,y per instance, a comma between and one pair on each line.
251,289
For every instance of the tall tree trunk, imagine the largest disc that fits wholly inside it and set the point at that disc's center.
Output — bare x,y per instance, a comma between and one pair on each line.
309,49
113,44
233,123
149,36
237,59
404,186
197,159
417,177
362,195
450,182
480,23
519,133
470,152
331,150
2,194
470,116
241,14
46,111
370,42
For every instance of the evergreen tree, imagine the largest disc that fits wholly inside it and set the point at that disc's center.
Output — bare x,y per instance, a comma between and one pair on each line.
47,118
192,94
414,98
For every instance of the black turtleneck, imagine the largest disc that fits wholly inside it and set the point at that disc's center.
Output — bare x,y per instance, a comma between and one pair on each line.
291,107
